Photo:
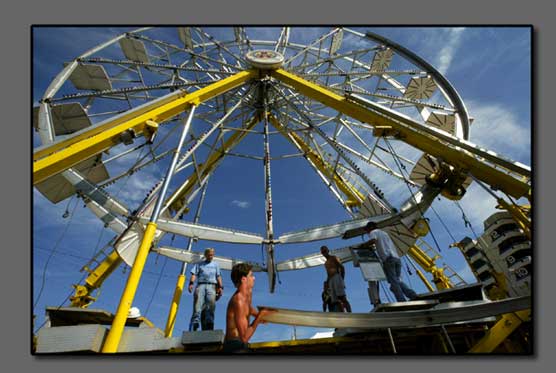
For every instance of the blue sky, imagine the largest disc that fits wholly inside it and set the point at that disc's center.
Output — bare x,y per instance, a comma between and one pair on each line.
489,67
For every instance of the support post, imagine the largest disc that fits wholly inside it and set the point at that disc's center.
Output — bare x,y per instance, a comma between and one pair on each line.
175,304
174,307
115,333
500,331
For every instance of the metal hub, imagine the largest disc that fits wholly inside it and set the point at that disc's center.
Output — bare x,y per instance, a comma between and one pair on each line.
265,59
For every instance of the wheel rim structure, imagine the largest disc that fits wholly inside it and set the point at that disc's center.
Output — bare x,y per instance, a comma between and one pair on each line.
351,158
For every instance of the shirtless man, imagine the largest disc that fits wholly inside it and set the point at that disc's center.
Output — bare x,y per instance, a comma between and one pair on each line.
336,273
238,330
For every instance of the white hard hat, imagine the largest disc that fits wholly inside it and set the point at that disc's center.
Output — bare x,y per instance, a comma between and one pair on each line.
134,313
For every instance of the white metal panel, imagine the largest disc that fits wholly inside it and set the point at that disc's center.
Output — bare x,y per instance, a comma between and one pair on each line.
325,232
90,77
66,118
134,50
185,256
57,188
382,60
313,260
336,42
402,237
420,87
371,207
444,122
372,271
128,245
426,165
205,232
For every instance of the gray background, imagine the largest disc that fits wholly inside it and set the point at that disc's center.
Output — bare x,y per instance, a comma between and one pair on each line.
16,20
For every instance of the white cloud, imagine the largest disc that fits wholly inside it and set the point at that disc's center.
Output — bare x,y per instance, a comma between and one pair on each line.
498,129
240,204
447,53
131,190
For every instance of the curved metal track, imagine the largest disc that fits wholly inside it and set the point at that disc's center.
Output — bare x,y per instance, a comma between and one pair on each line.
399,319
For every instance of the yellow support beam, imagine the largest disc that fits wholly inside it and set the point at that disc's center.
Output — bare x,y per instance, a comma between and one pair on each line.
82,296
62,155
500,331
354,197
429,144
428,264
425,281
115,333
174,307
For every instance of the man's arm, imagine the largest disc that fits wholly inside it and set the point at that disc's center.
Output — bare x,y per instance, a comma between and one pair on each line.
253,311
340,267
191,282
241,316
220,285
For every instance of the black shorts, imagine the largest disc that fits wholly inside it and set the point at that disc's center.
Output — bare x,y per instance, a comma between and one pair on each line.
235,346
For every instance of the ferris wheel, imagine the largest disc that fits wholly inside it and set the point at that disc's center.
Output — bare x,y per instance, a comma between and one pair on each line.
359,108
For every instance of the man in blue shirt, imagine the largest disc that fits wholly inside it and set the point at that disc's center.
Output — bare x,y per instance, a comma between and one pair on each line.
390,262
209,287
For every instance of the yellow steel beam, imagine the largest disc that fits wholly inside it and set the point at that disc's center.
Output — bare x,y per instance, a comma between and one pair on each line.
424,279
429,144
82,296
428,264
355,198
170,322
500,331
115,333
62,155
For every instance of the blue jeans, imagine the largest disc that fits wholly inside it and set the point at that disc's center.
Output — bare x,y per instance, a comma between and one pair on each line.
203,300
393,270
